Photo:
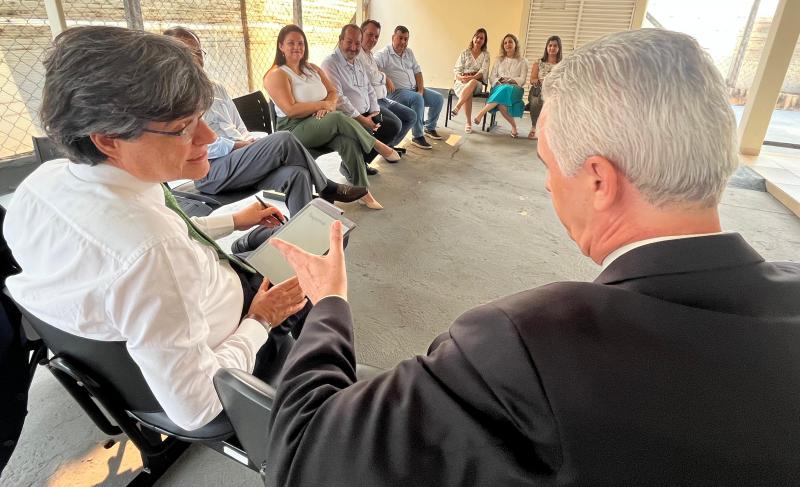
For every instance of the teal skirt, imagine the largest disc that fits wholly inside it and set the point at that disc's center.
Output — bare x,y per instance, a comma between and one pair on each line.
510,96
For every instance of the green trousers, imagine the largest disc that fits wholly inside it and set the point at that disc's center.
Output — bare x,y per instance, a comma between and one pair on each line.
339,132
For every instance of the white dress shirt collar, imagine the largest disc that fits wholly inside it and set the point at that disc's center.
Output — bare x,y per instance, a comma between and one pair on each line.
110,175
641,243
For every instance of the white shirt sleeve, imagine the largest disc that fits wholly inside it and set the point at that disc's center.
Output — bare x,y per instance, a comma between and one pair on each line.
521,76
220,147
166,333
494,77
458,67
484,70
215,226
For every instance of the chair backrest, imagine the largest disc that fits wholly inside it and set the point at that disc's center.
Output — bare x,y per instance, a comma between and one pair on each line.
254,112
273,113
8,266
107,363
45,149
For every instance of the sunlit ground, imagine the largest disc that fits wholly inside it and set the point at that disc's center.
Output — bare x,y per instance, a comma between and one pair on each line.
99,464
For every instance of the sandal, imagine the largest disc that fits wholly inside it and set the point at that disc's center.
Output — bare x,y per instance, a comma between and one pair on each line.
532,134
453,113
514,134
468,129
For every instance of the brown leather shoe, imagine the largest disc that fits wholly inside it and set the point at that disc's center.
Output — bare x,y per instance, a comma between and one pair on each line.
342,192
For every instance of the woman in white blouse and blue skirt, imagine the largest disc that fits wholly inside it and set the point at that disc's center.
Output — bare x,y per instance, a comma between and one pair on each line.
507,79
472,71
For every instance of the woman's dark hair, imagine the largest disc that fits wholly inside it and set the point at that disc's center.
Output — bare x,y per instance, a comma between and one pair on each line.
480,30
114,81
549,40
516,46
280,59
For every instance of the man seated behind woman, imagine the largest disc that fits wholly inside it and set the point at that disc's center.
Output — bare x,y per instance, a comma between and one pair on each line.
305,102
507,79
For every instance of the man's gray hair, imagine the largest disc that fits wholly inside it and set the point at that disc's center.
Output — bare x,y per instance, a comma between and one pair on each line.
113,81
652,102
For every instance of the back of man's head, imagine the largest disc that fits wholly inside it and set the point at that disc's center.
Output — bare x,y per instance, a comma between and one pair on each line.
113,81
652,102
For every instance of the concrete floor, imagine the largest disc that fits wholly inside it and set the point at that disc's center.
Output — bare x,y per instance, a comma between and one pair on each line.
464,223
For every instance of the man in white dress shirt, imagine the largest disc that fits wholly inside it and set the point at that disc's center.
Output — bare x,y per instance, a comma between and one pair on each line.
103,251
242,159
356,95
405,85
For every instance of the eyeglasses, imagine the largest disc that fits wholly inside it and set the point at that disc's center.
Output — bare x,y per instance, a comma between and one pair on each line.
186,134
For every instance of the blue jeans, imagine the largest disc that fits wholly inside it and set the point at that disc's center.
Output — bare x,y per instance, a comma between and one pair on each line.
406,116
417,102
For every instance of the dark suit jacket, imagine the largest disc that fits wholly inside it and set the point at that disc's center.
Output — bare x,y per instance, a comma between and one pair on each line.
679,365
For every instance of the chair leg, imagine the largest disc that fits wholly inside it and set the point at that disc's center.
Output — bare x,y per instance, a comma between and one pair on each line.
449,107
156,465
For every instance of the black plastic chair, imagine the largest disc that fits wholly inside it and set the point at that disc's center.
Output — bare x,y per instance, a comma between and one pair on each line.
99,372
483,94
255,112
19,356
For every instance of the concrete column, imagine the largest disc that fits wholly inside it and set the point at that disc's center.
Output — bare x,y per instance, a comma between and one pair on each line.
639,11
55,16
360,11
772,67
297,13
133,14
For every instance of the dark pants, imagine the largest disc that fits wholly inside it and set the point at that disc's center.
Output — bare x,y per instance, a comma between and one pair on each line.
271,355
387,133
278,161
406,116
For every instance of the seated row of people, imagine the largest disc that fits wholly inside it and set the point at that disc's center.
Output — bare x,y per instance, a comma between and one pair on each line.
507,79
359,104
657,372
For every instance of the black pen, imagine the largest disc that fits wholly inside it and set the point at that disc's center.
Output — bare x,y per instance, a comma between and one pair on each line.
266,205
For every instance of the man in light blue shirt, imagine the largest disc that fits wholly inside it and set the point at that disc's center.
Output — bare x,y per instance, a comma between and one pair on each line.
405,85
356,95
241,159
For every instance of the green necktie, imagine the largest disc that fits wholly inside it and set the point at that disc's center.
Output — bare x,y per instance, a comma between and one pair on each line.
201,237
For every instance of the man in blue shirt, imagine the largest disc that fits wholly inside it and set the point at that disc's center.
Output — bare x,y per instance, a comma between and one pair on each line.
241,159
356,96
405,85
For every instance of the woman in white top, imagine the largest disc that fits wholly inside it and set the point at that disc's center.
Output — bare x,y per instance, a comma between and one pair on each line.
305,102
471,71
551,57
507,79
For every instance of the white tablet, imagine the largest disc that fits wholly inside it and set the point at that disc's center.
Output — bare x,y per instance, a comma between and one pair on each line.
309,229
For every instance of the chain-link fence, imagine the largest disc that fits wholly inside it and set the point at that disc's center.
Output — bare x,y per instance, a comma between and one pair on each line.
239,37
24,38
322,22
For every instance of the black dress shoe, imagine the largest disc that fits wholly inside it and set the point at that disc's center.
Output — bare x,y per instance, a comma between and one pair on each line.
371,170
400,150
342,192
